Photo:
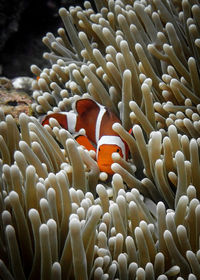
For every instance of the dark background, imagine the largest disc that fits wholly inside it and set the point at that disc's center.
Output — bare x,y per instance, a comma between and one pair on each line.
23,23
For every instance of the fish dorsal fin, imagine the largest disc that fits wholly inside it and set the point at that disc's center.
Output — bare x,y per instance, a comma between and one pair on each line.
85,105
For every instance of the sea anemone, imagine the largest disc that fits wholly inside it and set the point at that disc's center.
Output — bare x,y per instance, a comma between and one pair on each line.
59,218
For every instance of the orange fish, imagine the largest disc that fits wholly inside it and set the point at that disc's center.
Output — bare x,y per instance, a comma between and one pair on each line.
97,122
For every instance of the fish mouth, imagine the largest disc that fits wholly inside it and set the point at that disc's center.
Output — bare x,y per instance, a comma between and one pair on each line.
106,168
104,165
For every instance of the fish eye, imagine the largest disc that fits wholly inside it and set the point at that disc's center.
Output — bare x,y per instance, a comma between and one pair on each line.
99,149
117,151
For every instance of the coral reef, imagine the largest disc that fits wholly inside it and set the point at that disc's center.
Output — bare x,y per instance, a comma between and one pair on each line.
15,96
60,218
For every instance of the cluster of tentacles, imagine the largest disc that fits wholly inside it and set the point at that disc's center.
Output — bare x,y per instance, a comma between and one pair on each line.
59,218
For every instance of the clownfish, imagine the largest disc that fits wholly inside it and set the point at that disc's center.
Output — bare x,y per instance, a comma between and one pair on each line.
97,122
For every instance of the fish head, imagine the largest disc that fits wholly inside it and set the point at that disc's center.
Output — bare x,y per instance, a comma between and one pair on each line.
104,157
107,145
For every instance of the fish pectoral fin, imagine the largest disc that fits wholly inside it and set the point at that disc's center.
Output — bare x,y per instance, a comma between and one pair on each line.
84,141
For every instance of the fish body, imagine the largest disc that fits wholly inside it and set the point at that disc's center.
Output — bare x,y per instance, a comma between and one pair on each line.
97,122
